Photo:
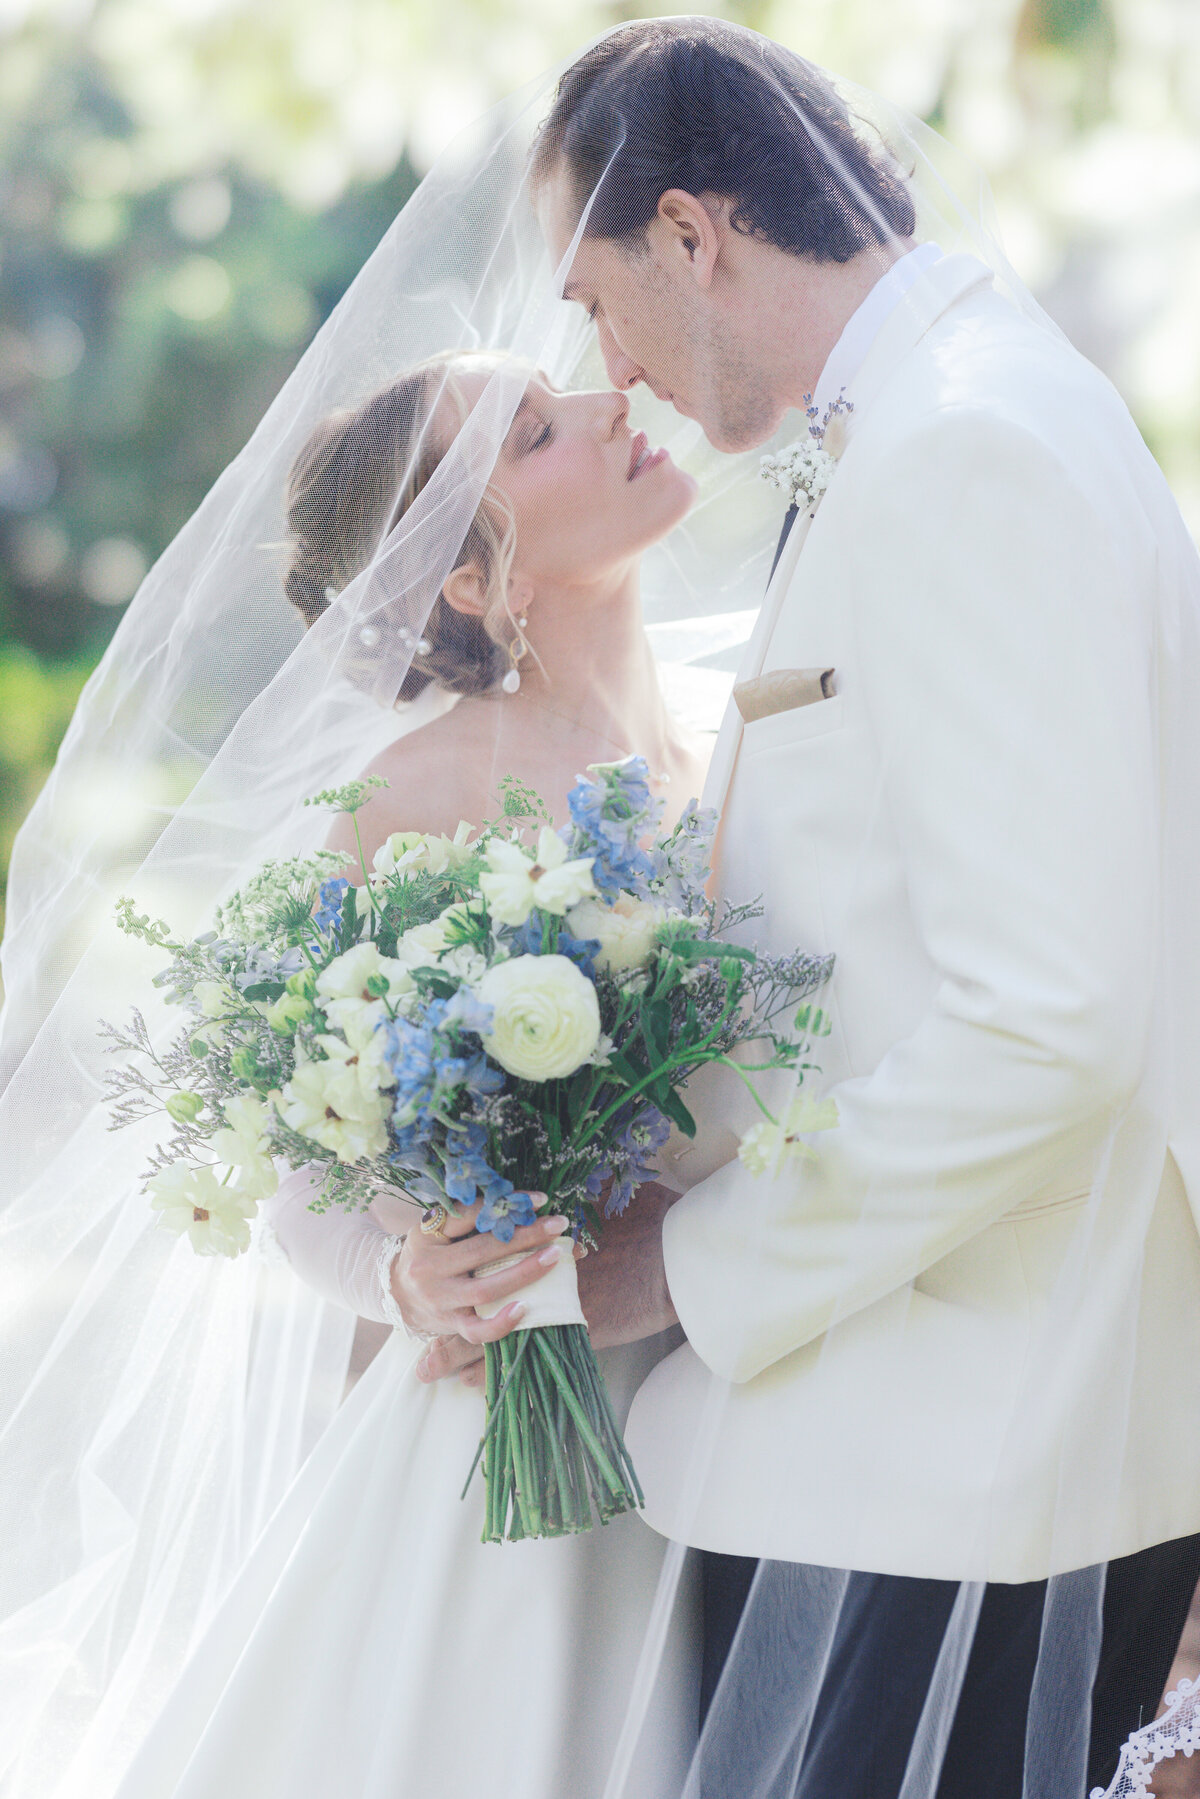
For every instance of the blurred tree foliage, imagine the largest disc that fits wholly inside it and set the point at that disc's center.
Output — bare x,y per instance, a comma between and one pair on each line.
187,189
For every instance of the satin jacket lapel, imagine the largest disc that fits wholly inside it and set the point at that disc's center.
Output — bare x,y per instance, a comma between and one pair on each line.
921,307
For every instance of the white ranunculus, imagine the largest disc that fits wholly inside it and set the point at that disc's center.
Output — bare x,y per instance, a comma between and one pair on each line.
545,1019
422,944
194,1203
328,1102
521,879
627,930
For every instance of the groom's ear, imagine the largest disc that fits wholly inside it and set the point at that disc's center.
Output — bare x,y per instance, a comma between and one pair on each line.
684,231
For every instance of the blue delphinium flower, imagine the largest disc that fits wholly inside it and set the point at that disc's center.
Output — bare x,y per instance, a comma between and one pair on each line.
465,1011
503,1210
260,966
633,1155
529,941
467,1167
609,819
332,895
685,860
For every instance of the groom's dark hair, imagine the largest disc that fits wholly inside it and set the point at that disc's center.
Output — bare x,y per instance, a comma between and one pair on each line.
713,108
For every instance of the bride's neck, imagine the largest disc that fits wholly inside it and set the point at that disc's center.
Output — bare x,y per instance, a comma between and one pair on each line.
592,669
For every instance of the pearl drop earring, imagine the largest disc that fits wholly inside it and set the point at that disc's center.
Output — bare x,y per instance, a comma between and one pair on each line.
518,648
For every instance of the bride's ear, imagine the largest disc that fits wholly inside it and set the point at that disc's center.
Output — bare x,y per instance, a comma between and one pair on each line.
466,590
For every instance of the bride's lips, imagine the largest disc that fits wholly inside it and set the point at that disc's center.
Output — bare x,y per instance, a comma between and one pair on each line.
642,457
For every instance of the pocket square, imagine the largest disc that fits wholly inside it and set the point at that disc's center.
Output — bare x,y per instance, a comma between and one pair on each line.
783,690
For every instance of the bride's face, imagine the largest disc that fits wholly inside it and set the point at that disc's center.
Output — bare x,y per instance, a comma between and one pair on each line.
587,493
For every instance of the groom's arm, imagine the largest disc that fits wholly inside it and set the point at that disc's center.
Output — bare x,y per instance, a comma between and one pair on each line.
1005,666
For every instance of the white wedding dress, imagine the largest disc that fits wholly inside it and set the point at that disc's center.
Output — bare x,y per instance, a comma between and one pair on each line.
373,1648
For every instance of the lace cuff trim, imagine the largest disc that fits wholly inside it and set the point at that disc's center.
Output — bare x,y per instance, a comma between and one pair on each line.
388,1250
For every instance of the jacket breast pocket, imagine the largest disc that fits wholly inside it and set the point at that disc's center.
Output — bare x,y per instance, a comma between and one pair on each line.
796,725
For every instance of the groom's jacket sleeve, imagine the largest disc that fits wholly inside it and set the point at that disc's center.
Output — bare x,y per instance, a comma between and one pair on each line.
1003,650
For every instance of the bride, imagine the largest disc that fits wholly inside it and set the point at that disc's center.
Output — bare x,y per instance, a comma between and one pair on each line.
368,1646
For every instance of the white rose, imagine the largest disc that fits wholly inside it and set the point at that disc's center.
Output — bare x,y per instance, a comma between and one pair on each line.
546,1022
627,930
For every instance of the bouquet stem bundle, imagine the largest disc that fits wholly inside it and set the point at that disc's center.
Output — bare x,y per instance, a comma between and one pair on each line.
553,1455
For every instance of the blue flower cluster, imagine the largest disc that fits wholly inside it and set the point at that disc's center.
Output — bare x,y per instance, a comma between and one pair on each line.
686,859
259,965
437,1073
328,917
528,941
609,818
630,1162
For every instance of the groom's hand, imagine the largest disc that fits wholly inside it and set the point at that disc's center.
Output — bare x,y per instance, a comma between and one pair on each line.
623,1285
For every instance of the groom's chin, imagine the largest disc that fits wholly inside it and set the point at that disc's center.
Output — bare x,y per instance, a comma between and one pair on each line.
734,433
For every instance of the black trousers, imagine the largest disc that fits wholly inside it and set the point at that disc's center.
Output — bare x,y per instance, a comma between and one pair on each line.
885,1645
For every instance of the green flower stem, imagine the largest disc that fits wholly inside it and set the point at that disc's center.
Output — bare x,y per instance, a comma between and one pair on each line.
545,1400
581,1424
743,1075
678,1060
526,1495
372,902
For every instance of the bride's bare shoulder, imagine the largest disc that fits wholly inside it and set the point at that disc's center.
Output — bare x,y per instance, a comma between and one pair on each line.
435,777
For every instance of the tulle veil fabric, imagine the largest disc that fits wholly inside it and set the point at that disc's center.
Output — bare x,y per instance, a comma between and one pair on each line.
154,1406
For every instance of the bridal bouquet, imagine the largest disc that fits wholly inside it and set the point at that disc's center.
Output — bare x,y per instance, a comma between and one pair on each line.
511,1010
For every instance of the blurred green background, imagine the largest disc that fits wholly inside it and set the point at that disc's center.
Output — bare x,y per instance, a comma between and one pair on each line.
187,187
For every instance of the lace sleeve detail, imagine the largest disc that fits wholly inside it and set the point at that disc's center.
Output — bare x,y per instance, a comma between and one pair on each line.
1177,1732
389,1249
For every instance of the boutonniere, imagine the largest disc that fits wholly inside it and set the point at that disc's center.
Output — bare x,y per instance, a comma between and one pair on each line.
804,469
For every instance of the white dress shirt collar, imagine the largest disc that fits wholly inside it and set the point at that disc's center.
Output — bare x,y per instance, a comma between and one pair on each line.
851,349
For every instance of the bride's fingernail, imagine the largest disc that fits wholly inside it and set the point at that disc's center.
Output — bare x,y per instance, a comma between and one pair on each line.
516,1312
548,1256
554,1227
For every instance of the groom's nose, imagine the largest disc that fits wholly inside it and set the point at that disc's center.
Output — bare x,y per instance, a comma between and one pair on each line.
623,372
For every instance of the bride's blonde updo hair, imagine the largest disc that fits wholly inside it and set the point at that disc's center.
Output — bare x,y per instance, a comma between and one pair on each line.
356,477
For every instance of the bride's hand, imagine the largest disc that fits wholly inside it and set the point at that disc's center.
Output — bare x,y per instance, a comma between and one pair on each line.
435,1287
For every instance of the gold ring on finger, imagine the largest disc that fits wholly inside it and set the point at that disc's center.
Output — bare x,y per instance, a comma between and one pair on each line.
435,1220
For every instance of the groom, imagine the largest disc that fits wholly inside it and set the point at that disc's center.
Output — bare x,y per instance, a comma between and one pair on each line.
935,1372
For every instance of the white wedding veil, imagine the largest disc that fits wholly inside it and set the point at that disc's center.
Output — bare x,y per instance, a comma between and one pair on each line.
155,1405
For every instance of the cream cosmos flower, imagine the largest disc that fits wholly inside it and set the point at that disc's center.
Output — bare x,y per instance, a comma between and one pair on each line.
342,987
767,1147
328,1102
545,1019
192,1202
522,879
243,1145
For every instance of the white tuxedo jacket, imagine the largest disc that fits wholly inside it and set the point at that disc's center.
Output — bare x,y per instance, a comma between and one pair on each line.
965,1343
